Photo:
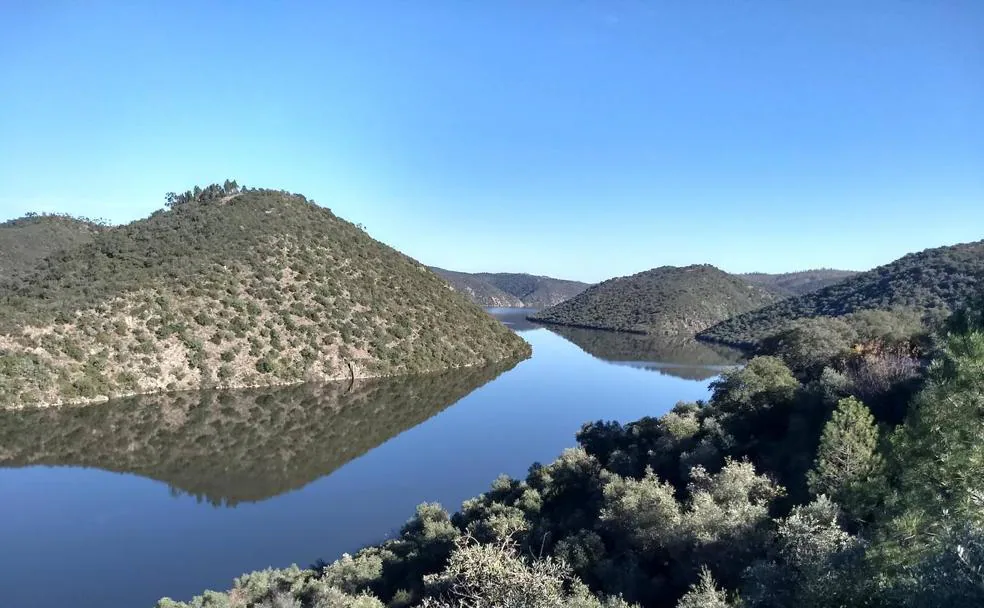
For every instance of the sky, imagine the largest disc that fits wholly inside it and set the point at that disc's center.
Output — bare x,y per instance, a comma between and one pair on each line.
573,138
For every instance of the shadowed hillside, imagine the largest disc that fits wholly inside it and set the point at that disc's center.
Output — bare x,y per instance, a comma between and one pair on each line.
231,288
665,301
506,289
935,281
791,284
228,447
25,241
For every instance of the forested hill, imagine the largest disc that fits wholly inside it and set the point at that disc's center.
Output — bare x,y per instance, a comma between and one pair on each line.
231,287
511,289
790,284
934,280
25,241
665,301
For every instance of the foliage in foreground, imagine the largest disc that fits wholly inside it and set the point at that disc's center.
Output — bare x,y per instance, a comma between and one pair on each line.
785,489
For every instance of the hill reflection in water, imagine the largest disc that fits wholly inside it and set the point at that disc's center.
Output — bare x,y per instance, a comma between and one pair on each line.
680,357
228,447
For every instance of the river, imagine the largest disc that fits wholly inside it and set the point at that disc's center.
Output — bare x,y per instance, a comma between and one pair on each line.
117,504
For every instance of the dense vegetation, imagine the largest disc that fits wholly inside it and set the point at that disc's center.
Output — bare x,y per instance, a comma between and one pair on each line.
790,284
934,280
681,357
25,241
851,479
664,301
506,289
227,447
227,288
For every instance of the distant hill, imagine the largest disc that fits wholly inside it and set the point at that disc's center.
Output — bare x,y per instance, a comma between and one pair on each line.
25,241
791,284
229,288
506,289
477,289
285,437
668,300
932,280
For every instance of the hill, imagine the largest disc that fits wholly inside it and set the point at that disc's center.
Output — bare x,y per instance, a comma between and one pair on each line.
285,437
667,300
934,280
478,290
25,241
791,284
506,289
231,289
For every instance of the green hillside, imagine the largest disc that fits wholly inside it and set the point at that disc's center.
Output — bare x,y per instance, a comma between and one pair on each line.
230,288
509,289
934,280
285,437
667,300
791,284
25,241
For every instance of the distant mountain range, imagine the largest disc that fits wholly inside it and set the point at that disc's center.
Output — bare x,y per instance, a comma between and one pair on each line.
792,284
506,289
937,279
666,301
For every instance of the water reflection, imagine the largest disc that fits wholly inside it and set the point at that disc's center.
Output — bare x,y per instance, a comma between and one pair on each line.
515,318
228,447
680,357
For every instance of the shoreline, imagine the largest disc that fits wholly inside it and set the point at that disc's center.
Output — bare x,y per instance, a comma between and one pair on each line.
352,377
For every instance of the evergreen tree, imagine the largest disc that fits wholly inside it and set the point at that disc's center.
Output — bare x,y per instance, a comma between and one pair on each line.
928,553
848,467
704,594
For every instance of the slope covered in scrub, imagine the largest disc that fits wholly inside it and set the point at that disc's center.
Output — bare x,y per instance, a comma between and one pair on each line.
230,288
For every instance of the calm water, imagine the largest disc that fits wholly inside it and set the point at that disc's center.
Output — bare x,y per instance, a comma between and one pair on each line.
118,504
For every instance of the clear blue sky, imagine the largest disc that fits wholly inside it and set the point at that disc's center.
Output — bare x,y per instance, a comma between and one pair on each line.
576,138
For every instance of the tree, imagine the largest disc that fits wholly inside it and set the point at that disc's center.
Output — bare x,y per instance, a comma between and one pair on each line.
848,467
704,594
931,540
643,513
807,345
763,383
754,405
810,563
942,443
494,576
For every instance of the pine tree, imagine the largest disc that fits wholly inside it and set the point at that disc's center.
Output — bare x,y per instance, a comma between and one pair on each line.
848,467
704,594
